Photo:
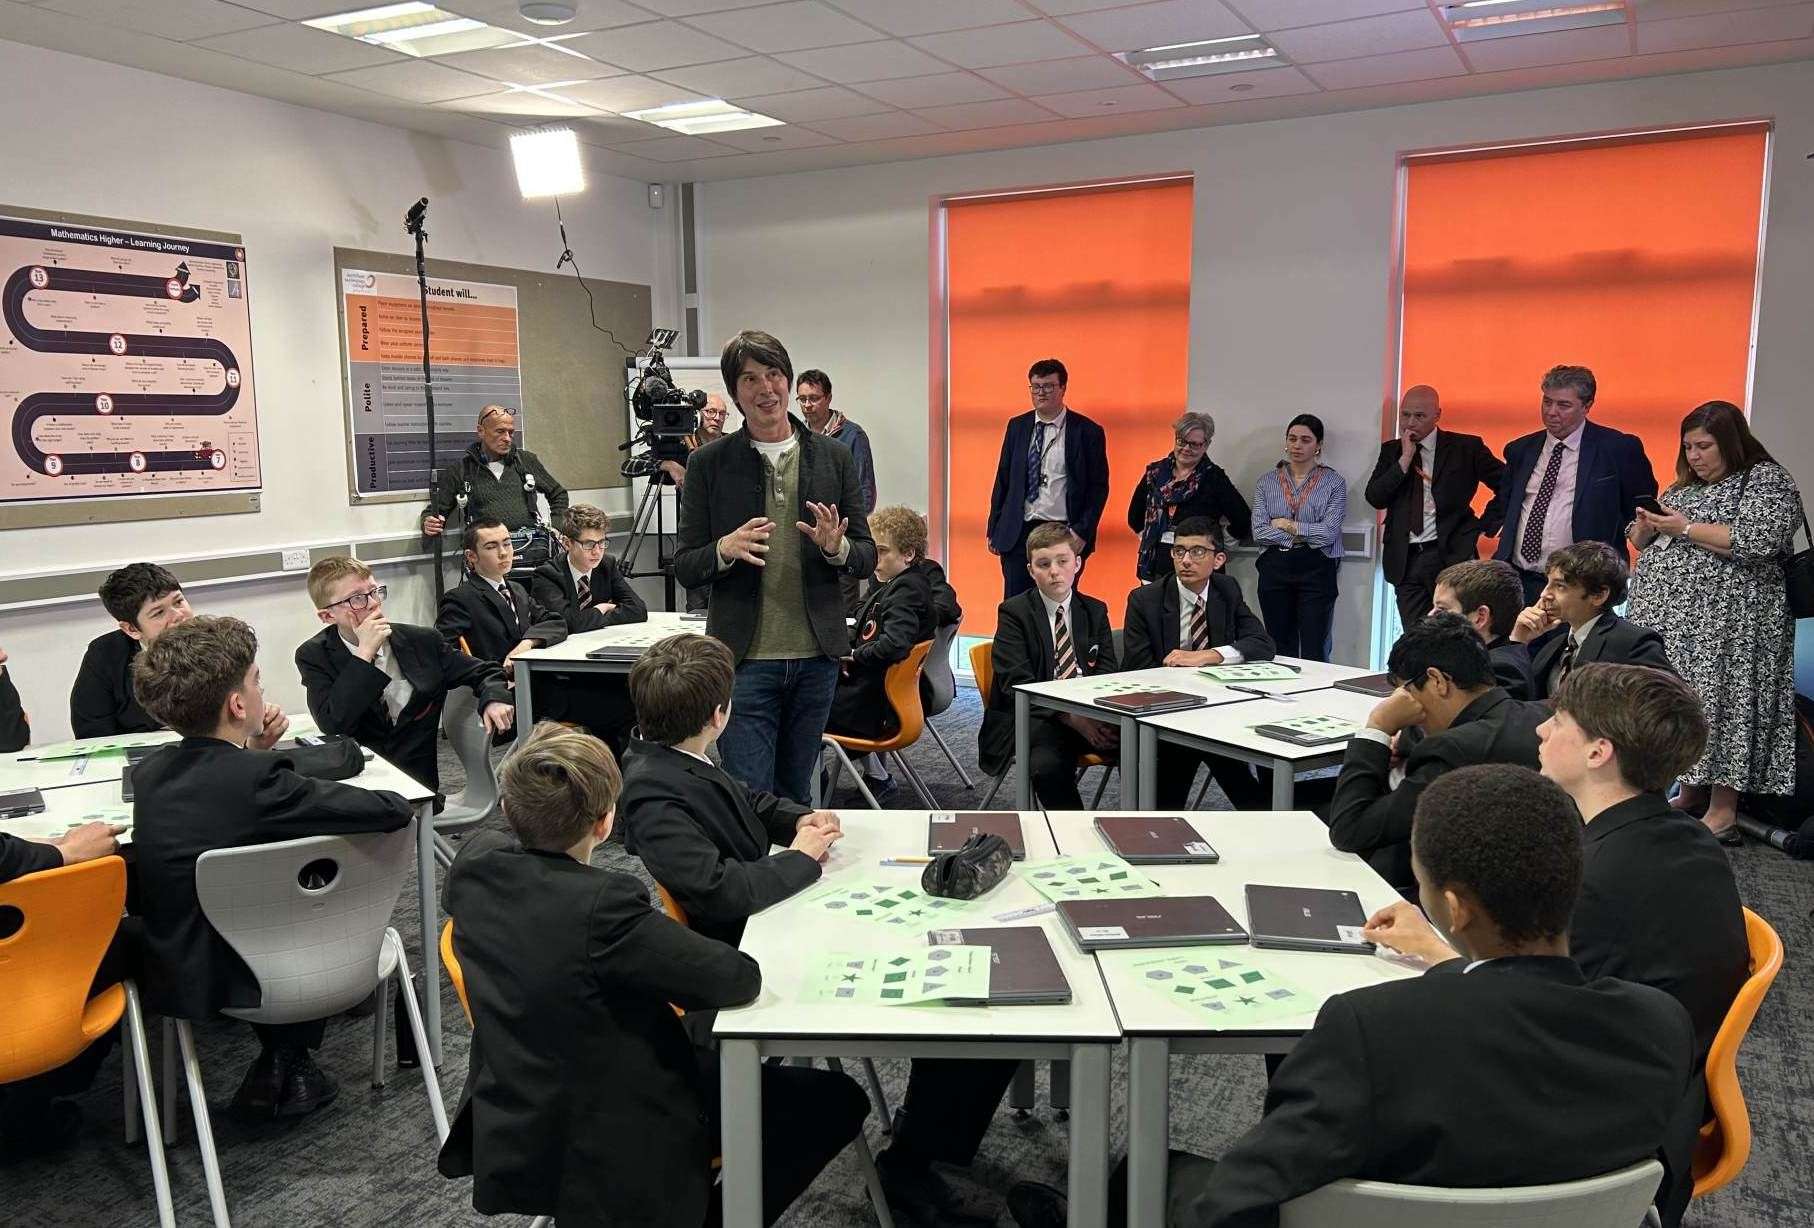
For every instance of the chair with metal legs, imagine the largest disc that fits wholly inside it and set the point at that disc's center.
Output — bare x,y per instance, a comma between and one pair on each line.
982,667
902,686
478,801
938,689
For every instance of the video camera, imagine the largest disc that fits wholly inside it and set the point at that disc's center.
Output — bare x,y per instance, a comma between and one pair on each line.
667,412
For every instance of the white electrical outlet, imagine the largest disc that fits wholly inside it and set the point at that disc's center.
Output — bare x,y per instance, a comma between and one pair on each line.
295,560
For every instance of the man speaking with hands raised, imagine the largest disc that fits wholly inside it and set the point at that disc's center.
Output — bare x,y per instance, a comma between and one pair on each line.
775,600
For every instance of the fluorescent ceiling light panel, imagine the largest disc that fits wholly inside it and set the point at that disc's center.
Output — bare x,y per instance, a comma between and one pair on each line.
1202,59
547,163
703,117
1474,20
415,29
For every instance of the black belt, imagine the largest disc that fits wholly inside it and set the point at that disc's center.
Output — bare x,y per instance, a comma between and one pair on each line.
1414,547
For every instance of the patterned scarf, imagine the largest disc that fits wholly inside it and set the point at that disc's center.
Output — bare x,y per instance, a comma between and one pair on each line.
1164,492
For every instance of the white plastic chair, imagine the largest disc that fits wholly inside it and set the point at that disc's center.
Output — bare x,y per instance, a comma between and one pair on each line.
311,918
1614,1200
478,801
940,691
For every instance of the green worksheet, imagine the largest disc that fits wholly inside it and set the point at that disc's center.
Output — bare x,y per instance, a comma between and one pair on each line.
1227,993
78,747
1117,686
893,904
1250,671
1087,878
899,977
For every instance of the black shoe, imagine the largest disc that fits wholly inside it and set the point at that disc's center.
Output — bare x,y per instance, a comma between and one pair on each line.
260,1090
41,1133
918,1193
306,1086
1036,1206
887,786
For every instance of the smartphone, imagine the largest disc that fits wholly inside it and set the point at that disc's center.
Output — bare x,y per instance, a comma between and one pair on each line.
1649,504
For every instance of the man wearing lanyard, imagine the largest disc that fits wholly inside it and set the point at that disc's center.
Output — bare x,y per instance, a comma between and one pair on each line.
1054,467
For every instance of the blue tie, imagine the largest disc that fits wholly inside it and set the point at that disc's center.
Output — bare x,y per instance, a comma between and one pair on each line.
1036,462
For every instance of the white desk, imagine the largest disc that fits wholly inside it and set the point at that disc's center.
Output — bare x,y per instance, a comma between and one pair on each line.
1228,730
73,806
1289,848
569,656
787,941
23,770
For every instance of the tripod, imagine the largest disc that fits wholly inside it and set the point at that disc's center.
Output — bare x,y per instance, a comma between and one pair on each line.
649,512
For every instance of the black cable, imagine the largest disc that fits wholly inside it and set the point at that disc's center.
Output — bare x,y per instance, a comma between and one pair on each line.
567,258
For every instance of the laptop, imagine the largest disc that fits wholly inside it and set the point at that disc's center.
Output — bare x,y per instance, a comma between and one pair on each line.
1306,919
1142,840
1164,921
1368,684
1308,731
1023,969
617,652
1152,703
17,803
947,830
126,783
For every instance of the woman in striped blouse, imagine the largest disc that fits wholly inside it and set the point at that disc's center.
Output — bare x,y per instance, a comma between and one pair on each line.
1297,520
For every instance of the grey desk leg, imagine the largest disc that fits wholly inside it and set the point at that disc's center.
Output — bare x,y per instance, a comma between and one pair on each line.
1089,1192
431,927
1022,1094
1284,784
1023,750
1148,1129
1133,771
740,1101
1148,754
525,709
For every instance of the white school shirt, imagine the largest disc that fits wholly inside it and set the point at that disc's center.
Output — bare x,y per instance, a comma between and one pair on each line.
1049,503
1187,604
1559,522
398,692
1426,460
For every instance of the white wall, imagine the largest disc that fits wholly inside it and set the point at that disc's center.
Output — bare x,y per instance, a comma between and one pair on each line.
95,138
1291,267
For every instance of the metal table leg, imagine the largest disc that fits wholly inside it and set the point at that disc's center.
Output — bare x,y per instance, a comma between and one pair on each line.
1089,1183
1148,1129
1023,750
740,1099
430,910
1133,772
1148,755
525,707
1284,785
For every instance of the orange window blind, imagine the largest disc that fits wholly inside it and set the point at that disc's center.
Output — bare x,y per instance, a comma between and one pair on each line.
1099,279
1635,258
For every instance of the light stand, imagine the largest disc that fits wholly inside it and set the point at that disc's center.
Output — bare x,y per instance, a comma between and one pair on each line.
413,224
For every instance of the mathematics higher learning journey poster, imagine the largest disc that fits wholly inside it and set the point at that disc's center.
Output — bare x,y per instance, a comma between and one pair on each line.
125,364
472,336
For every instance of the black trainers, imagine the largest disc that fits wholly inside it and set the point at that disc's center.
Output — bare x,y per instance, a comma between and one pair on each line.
917,1192
1035,1205
306,1086
260,1089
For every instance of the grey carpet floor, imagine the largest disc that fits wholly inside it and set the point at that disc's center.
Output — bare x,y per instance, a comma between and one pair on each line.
368,1159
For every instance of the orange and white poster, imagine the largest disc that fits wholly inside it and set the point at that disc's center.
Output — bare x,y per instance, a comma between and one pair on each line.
125,364
473,359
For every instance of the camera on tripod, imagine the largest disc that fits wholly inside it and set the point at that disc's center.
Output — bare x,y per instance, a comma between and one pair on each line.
666,415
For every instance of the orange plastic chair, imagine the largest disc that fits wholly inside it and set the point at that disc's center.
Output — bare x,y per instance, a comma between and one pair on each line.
902,686
67,917
455,974
982,668
1725,1142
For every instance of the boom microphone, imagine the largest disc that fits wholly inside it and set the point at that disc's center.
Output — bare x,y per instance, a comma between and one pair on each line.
1780,838
412,221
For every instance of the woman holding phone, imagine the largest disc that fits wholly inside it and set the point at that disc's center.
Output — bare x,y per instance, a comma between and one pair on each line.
1709,580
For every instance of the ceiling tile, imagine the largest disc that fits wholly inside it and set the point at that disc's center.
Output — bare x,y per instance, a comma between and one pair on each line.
1537,50
766,140
931,16
1343,40
1663,10
418,81
591,15
518,103
531,64
1726,29
291,10
1239,86
1386,69
1093,104
687,8
794,26
877,127
609,130
806,106
939,89
1012,44
300,49
860,62
997,114
733,78
1284,14
628,93
1087,72
678,149
1061,7
1155,25
182,20
653,45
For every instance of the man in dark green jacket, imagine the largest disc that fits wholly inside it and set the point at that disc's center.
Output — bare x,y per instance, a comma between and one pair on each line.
494,477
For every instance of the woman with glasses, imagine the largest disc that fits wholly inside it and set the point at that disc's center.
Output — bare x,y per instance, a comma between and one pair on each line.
1181,486
1297,516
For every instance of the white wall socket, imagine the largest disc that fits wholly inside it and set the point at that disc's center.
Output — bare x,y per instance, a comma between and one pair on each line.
295,560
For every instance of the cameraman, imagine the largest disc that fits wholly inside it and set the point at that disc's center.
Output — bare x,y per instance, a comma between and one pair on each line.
498,479
712,419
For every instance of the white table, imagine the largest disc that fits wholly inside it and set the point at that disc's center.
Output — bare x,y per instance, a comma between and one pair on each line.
1084,1032
1228,730
71,806
24,770
569,656
1289,848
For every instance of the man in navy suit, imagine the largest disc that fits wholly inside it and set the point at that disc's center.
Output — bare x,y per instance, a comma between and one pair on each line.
1572,481
1054,467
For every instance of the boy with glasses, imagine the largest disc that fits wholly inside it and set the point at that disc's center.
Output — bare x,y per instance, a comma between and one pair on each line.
384,683
586,588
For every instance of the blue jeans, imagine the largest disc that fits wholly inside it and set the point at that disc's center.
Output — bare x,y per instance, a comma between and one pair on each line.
778,714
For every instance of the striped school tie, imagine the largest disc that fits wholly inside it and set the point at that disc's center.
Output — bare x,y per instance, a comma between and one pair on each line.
1064,653
1199,627
585,592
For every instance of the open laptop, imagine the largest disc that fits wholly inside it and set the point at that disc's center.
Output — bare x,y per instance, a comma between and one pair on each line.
947,830
1154,841
1023,969
1152,703
1368,684
1163,921
1306,919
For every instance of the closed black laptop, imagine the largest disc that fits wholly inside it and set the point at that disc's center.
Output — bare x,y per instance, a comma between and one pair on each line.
1306,919
1162,921
1023,970
17,803
1155,841
1152,703
1368,684
947,830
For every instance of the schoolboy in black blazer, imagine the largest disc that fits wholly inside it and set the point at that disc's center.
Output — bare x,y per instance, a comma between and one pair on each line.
608,599
15,729
143,599
391,699
492,613
898,613
1572,622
